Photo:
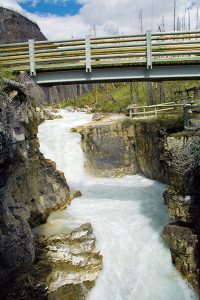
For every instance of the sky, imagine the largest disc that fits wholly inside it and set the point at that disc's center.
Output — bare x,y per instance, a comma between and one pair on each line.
60,19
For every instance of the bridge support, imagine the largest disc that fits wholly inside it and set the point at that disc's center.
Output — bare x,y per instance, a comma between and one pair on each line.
88,54
158,73
149,49
32,57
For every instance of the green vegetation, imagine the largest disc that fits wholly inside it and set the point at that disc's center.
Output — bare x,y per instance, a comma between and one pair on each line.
127,122
5,73
187,156
194,149
115,97
103,98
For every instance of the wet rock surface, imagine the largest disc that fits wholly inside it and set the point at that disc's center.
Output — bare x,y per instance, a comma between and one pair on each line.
183,242
118,146
182,200
30,187
69,263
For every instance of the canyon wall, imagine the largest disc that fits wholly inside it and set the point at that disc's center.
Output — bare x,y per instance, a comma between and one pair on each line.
182,200
30,186
155,148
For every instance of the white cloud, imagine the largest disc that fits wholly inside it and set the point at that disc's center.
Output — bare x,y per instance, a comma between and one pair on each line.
10,4
109,16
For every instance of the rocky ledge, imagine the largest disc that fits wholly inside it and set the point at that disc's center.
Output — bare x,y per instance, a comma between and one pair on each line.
118,146
69,264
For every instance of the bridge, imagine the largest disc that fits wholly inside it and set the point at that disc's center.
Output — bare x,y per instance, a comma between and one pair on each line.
144,57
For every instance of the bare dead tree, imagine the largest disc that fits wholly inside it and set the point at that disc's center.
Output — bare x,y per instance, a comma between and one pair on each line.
189,23
174,15
197,22
163,24
150,93
178,26
140,18
152,14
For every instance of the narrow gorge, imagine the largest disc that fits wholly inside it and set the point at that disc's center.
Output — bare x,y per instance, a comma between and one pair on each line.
127,214
93,206
122,211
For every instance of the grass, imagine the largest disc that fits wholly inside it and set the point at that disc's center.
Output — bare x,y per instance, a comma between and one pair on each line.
127,122
117,96
5,73
103,98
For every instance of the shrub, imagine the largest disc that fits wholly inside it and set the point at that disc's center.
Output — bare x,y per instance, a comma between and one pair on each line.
186,158
127,122
5,73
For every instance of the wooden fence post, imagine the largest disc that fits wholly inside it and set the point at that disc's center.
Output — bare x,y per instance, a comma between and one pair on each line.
186,115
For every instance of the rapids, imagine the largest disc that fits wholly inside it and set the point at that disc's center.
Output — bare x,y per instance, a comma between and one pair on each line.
127,215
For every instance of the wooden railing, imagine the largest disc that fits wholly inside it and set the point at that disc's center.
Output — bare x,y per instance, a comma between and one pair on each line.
100,52
144,111
189,111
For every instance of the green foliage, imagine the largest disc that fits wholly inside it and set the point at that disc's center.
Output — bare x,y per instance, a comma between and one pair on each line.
115,97
127,122
5,73
186,156
195,151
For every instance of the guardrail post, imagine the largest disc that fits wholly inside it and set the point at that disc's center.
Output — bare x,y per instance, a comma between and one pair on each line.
32,57
149,49
88,54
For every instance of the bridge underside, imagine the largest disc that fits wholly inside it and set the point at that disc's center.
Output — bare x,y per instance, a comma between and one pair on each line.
158,73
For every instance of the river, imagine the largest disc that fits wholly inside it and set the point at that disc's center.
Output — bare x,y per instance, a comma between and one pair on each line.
127,215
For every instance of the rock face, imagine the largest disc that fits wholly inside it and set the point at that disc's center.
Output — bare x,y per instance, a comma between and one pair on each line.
69,263
15,28
183,243
183,206
124,146
30,186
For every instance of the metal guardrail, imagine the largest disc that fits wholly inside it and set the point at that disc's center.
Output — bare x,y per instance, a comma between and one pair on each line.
148,49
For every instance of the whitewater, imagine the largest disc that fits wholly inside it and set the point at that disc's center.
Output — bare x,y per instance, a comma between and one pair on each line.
127,215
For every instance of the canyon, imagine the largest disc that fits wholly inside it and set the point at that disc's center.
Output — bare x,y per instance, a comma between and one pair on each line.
58,261
118,146
47,241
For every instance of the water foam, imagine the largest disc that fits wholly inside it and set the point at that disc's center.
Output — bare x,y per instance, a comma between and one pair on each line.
127,215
